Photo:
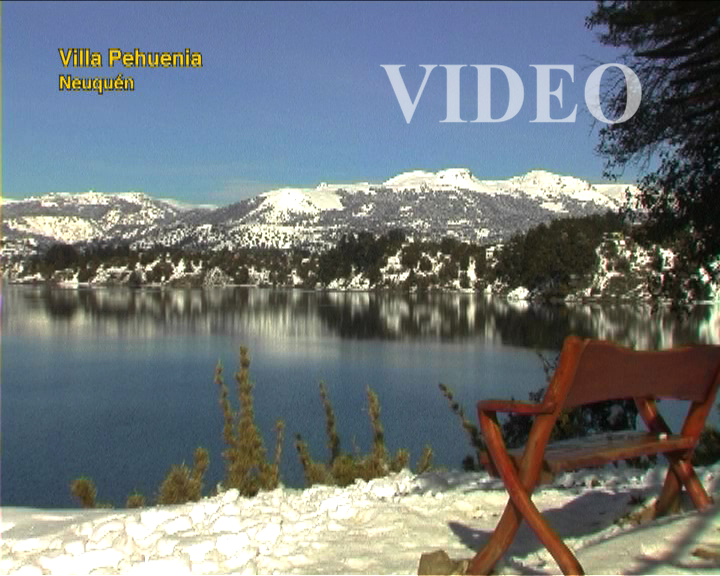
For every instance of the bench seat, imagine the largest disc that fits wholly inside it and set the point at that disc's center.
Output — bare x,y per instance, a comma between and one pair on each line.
597,450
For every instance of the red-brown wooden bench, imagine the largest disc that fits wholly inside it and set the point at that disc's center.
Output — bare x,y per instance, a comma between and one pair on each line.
592,371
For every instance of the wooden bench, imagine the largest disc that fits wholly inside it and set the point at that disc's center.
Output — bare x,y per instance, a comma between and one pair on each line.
591,371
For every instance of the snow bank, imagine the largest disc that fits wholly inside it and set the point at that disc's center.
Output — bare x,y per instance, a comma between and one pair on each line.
377,527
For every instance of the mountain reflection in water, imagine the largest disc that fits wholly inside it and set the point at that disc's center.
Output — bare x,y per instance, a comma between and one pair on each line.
362,315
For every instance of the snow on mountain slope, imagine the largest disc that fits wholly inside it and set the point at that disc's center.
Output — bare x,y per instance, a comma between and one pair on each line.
184,206
71,218
554,189
279,206
615,191
67,229
429,205
450,179
539,184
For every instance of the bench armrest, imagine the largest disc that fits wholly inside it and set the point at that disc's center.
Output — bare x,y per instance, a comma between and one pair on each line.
516,407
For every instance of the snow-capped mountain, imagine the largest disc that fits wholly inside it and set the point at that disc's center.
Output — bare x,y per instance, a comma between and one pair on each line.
70,218
85,217
427,205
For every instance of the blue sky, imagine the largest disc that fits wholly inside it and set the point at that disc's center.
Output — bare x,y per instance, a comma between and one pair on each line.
290,94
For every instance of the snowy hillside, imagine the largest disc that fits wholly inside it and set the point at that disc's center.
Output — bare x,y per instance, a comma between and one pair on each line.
428,205
70,218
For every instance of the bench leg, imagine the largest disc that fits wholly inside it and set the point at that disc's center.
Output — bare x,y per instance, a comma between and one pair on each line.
681,473
484,561
669,495
559,550
519,507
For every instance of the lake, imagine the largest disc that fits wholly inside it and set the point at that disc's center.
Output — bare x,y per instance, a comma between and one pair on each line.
117,384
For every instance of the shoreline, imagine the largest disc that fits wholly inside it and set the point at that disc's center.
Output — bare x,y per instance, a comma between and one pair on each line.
508,296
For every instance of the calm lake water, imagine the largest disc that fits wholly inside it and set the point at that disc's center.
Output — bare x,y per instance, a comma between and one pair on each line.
118,384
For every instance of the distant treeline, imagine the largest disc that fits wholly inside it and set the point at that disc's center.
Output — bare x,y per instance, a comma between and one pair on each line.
557,258
554,259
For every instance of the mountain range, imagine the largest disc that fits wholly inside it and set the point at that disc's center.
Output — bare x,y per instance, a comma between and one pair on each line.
427,205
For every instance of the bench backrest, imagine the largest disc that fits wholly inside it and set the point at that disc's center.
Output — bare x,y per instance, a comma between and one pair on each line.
606,371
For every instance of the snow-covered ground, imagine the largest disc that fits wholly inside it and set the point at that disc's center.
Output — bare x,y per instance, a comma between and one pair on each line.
378,527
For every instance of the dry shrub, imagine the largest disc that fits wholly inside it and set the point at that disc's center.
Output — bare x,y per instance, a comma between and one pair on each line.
343,469
84,489
245,465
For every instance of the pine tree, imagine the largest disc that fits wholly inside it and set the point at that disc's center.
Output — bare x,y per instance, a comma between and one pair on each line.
674,48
